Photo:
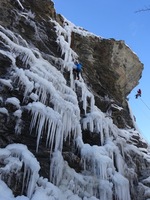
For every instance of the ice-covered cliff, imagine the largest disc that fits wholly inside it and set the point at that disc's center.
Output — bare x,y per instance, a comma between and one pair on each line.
62,138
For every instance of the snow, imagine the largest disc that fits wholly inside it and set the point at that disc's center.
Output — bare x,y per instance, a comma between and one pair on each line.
18,113
147,180
6,193
4,111
14,101
6,83
34,96
54,108
117,107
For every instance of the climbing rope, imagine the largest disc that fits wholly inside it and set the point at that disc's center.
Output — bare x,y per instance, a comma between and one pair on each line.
144,103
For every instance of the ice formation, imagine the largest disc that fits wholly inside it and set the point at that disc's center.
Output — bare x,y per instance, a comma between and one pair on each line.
15,157
55,111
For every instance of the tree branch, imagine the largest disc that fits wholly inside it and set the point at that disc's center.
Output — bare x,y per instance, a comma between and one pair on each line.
143,10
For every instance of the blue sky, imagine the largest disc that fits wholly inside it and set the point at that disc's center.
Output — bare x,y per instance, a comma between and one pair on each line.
117,19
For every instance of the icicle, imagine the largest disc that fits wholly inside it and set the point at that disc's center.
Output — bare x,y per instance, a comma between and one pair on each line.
119,162
14,157
121,187
95,120
32,184
6,83
26,54
18,126
92,103
42,115
21,6
105,190
64,41
24,81
40,122
59,138
96,160
56,168
50,137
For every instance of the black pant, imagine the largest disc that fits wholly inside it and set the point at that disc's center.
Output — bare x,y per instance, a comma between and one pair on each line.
76,73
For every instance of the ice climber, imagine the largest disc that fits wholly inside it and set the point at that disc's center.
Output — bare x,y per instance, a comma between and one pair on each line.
138,93
77,70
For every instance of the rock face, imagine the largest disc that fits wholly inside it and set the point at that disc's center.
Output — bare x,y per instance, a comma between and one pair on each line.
110,69
108,61
81,132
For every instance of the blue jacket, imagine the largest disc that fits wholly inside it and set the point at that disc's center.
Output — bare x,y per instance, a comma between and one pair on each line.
79,66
